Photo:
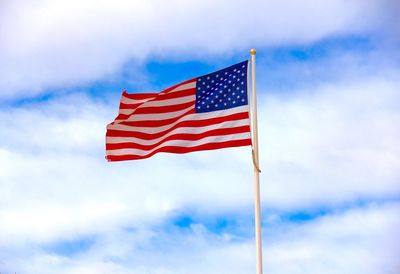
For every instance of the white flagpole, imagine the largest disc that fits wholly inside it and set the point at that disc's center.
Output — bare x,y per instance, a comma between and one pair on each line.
257,207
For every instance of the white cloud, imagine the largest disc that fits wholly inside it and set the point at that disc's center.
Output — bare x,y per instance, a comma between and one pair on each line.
54,44
359,240
333,143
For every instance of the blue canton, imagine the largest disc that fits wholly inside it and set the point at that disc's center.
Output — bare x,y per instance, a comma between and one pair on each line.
226,88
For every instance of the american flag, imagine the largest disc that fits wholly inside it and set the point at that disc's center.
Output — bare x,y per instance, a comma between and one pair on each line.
204,113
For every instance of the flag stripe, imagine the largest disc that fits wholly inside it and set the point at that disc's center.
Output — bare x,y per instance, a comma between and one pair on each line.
157,116
162,109
125,114
189,84
119,131
157,103
181,143
198,118
122,136
181,150
161,97
147,145
139,96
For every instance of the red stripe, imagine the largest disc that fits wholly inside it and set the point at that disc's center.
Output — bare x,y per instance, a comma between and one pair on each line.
138,96
150,136
172,95
181,150
141,96
163,109
191,123
176,94
129,106
181,136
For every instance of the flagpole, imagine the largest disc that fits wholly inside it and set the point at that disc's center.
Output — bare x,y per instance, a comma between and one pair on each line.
257,207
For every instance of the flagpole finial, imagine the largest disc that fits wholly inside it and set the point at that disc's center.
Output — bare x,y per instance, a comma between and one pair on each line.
253,51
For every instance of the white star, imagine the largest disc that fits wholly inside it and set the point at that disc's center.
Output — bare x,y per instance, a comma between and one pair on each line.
199,80
208,77
216,105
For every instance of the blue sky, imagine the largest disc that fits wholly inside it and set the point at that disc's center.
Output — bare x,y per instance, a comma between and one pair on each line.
328,88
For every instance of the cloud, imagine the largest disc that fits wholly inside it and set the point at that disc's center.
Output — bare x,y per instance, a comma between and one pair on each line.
334,143
57,44
356,240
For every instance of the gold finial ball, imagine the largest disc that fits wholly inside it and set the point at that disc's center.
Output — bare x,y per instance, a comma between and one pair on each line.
253,51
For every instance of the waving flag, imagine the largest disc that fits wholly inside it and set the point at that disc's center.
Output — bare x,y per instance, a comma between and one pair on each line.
204,113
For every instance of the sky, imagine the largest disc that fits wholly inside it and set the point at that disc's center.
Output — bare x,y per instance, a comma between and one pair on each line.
328,78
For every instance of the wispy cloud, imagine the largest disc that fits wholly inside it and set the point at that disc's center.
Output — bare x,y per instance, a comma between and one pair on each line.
57,44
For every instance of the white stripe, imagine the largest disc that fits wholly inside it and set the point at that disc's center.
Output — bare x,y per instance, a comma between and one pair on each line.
126,100
182,87
188,130
193,116
159,103
181,143
156,117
